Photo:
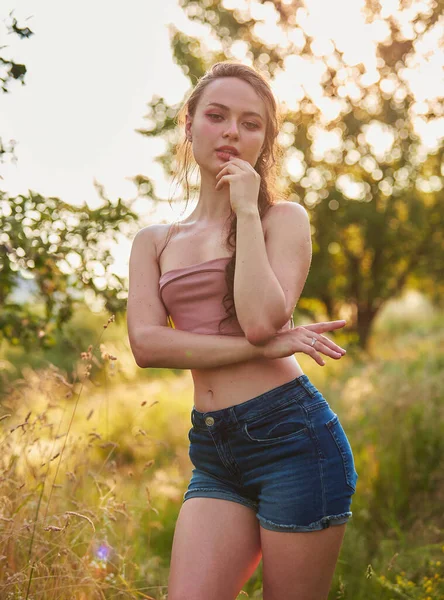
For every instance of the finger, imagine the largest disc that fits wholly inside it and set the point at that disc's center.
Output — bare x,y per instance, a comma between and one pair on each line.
320,346
239,162
308,349
325,340
222,171
232,165
222,180
325,325
244,166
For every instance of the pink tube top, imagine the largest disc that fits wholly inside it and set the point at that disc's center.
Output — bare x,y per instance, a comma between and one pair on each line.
193,297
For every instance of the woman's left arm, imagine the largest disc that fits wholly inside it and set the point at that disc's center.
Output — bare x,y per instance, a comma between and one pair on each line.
270,274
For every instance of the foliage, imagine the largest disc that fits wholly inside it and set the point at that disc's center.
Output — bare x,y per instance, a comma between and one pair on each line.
63,249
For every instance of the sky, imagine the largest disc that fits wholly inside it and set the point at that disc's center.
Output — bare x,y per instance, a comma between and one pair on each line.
92,68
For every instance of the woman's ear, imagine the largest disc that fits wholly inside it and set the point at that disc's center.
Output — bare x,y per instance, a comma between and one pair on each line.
188,128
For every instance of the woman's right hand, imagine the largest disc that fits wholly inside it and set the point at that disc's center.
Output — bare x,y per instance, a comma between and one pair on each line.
299,339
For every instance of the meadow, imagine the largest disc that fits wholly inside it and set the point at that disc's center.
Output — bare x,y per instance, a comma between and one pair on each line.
93,469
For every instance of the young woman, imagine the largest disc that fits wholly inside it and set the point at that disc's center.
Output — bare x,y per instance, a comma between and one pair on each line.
274,471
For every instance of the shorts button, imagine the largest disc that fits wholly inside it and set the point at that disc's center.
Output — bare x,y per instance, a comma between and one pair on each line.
209,421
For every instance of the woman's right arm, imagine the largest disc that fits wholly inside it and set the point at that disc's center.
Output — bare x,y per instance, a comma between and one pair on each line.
152,342
174,349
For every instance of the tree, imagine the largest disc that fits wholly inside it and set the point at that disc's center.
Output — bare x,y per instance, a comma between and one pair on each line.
60,247
12,71
63,249
377,221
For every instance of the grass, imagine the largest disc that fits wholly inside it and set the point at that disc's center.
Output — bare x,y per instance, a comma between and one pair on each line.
93,472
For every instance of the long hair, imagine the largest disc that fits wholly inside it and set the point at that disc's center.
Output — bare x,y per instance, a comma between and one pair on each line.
266,165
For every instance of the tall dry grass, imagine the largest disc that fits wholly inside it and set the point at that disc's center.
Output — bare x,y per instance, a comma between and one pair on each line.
79,464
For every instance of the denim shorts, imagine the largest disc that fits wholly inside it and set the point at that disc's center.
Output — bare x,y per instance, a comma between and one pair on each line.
283,453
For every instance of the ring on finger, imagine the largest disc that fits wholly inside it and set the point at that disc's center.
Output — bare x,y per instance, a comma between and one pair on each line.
313,341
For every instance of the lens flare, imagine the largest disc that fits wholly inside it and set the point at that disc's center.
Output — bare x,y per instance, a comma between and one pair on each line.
103,552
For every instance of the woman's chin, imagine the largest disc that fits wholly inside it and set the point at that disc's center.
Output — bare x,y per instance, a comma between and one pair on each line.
211,168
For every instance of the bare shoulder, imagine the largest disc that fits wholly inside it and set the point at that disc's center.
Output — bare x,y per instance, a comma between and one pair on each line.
285,212
155,235
287,208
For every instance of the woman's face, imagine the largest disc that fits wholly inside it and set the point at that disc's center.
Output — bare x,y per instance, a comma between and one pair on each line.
232,124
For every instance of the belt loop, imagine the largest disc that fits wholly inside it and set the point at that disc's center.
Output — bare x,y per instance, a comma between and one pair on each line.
233,416
306,387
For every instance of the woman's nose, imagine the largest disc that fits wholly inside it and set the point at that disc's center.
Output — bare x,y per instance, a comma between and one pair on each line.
232,129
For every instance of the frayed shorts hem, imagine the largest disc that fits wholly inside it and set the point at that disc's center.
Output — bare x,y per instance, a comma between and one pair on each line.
212,493
316,526
266,523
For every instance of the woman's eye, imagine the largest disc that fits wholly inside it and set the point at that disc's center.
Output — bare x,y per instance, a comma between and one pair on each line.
253,125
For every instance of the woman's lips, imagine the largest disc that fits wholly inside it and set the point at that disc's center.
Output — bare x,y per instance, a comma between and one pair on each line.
223,154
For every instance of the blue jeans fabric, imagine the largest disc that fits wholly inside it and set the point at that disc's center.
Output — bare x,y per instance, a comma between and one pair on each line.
283,453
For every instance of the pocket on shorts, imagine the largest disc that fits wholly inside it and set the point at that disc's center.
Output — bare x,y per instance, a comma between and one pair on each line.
284,423
339,436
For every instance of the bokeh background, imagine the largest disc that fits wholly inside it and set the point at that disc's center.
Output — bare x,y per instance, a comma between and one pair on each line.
94,450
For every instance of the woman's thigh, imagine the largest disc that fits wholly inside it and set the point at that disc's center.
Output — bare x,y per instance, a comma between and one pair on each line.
216,549
300,566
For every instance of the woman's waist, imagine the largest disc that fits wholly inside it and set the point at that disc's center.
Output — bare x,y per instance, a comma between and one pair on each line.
229,385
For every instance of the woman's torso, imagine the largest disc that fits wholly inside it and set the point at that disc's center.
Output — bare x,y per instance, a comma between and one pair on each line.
228,385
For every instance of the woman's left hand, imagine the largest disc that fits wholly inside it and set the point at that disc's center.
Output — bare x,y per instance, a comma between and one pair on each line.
244,183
